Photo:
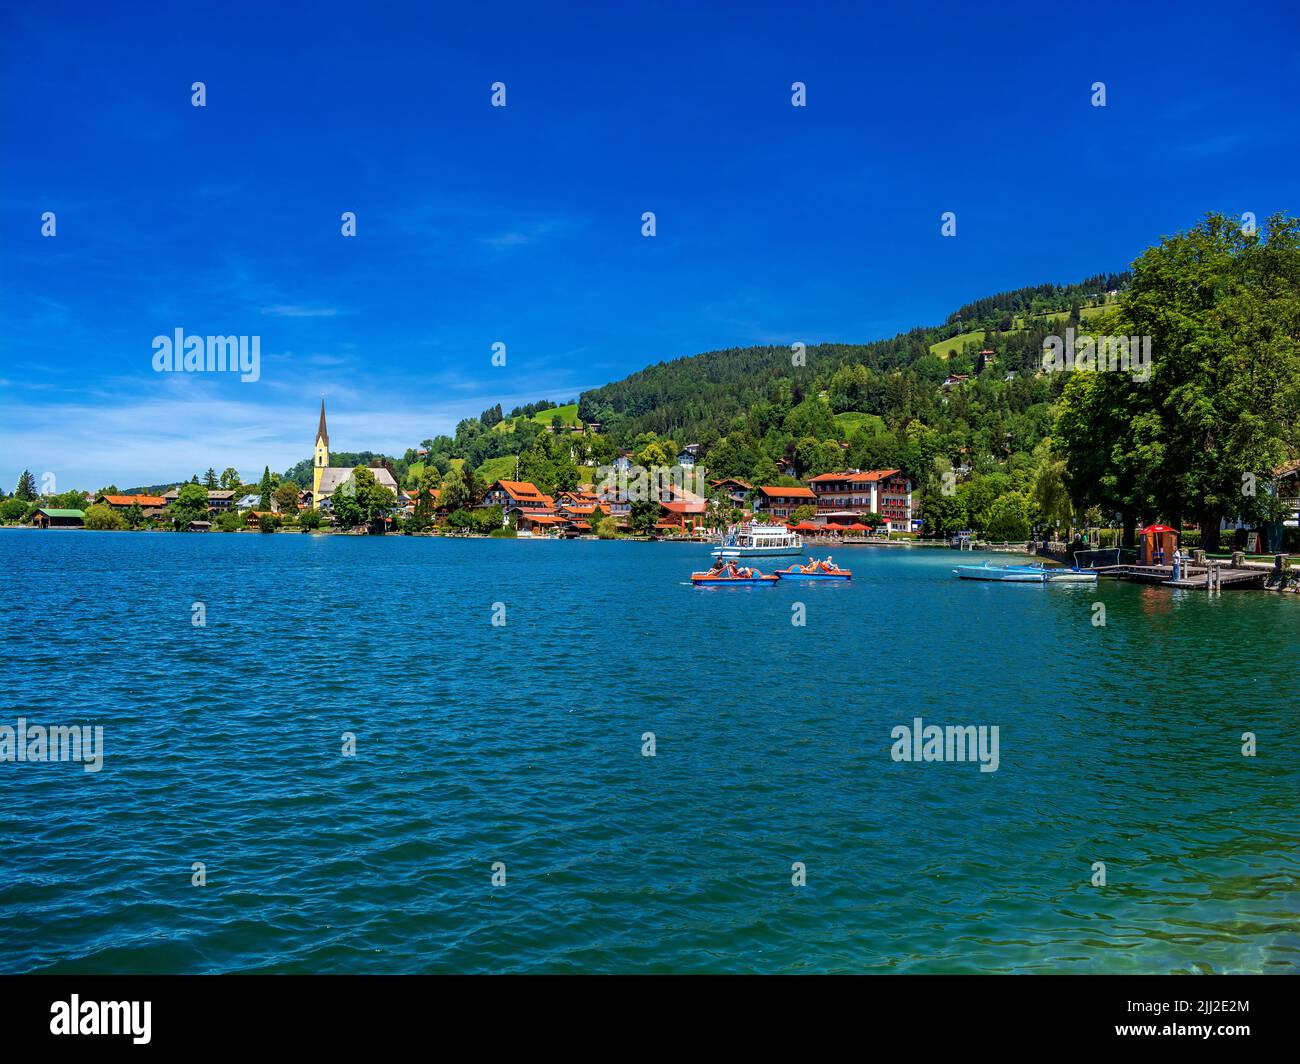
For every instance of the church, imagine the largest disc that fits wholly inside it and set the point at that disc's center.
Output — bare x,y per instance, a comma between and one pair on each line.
327,479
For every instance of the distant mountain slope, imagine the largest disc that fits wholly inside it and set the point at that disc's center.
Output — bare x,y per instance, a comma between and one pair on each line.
700,394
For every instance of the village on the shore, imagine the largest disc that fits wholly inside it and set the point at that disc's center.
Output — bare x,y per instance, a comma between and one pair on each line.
623,499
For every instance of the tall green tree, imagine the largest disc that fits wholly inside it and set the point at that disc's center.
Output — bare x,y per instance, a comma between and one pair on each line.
1219,411
457,493
361,499
286,498
644,516
267,489
26,489
191,505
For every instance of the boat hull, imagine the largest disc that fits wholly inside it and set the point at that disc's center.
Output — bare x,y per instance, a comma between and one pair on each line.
1000,574
704,580
757,552
1025,574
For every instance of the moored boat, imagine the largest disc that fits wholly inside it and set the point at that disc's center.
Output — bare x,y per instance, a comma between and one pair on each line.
1025,574
1016,574
754,540
815,570
1070,576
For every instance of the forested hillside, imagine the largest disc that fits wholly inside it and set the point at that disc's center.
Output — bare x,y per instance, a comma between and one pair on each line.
965,408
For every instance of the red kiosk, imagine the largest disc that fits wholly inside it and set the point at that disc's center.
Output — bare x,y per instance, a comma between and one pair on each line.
1157,545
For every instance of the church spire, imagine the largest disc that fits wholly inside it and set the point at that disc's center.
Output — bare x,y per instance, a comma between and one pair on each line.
321,433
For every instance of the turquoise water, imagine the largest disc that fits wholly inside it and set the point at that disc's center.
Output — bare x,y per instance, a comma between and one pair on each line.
522,743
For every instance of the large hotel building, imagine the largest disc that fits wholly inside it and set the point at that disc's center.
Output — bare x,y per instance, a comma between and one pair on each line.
844,496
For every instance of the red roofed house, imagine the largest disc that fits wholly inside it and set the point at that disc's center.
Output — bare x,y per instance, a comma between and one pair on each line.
843,497
683,514
413,498
734,489
125,502
518,495
151,506
572,499
540,523
780,502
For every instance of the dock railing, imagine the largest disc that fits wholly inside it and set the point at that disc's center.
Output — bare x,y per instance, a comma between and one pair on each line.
1102,557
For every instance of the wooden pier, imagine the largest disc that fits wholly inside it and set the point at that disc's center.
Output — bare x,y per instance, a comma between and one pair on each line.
1192,576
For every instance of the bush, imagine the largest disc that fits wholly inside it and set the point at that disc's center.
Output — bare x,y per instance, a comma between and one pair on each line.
1007,519
12,510
103,518
268,523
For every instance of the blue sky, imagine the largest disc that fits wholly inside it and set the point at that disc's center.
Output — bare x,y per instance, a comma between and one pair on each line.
523,224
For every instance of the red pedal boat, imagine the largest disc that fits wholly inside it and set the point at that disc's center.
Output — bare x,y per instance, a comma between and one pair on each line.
814,570
729,574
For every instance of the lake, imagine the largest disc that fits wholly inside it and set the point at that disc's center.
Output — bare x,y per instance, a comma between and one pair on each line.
520,744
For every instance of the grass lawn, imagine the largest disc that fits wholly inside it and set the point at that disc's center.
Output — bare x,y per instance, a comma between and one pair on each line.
502,468
851,421
567,414
955,343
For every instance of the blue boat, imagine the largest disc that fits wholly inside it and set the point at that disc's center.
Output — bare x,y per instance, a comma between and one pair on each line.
1019,574
1025,574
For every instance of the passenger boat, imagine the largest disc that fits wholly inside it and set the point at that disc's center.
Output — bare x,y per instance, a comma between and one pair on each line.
814,570
728,573
753,540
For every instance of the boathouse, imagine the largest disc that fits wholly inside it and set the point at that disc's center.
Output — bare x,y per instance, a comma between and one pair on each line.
46,517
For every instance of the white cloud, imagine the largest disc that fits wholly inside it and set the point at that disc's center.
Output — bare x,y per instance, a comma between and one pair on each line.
290,310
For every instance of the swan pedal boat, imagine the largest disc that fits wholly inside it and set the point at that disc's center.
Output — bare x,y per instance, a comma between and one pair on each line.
721,578
803,572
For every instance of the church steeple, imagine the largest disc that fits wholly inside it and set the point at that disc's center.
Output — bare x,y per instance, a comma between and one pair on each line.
322,458
321,432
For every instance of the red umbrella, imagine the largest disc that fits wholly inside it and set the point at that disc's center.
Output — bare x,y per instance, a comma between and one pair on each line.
1156,528
807,526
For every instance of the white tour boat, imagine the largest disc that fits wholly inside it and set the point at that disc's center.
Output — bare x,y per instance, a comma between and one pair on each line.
758,541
